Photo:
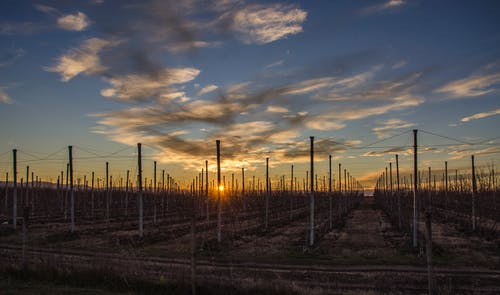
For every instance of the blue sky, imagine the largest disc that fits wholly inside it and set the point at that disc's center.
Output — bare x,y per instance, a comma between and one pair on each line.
260,76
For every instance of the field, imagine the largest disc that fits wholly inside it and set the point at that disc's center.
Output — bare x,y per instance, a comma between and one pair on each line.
358,244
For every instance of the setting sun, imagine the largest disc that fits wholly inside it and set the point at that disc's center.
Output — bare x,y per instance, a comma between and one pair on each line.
221,188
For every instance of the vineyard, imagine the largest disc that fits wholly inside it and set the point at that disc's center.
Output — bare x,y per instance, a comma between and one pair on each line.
288,235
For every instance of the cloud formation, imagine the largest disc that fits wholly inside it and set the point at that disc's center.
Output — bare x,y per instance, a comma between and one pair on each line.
384,129
382,7
10,55
263,24
84,59
73,22
142,87
472,86
4,97
207,89
480,115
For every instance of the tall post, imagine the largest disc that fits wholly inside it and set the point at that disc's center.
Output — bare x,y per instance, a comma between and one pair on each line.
397,171
70,151
311,216
206,192
126,192
390,176
398,196
139,189
474,190
292,192
107,192
446,184
266,221
415,186
92,196
163,192
154,192
340,177
219,215
6,200
330,197
14,193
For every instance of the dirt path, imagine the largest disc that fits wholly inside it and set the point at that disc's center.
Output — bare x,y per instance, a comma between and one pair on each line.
361,240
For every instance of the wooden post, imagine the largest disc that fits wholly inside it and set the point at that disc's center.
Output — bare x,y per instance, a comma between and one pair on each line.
398,196
193,245
92,197
292,192
219,215
429,201
66,193
330,197
311,204
127,179
340,178
139,189
72,204
206,191
415,186
107,192
6,200
474,189
266,217
154,192
446,185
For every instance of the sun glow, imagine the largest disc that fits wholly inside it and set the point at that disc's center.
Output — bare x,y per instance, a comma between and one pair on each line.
221,188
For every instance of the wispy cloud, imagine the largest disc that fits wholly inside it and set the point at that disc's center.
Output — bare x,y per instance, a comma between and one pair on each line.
472,86
207,89
395,150
386,127
276,109
84,59
143,87
480,115
46,9
73,22
19,28
10,55
263,24
383,7
4,97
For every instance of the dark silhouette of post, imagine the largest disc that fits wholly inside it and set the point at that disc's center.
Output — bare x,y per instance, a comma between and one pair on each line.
474,190
139,189
330,197
219,215
72,204
446,184
14,193
154,192
92,197
311,205
398,196
340,177
415,187
107,192
206,191
6,200
266,217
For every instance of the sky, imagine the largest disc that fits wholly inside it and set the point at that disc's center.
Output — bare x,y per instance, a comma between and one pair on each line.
261,76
